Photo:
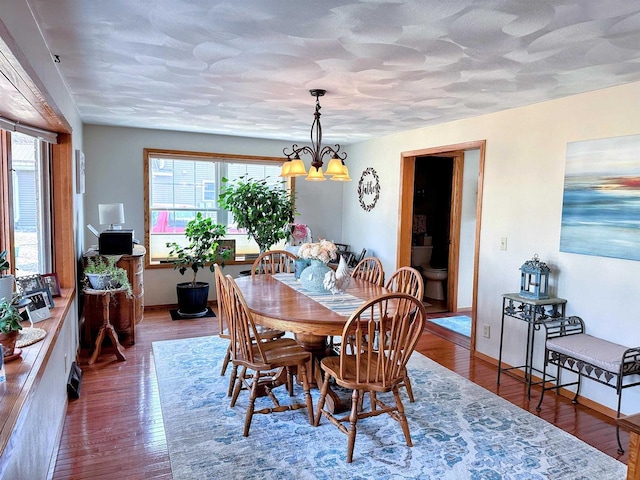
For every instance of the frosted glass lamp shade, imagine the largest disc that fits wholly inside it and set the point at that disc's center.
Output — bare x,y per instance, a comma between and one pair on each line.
344,176
315,175
111,214
334,167
286,167
297,168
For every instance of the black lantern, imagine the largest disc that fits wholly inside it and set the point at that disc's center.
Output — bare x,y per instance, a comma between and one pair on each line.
534,279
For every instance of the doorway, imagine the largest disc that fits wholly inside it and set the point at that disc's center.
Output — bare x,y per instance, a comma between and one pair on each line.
431,234
470,250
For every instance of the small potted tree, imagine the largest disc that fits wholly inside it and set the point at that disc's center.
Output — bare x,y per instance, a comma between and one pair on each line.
7,280
9,325
203,236
265,211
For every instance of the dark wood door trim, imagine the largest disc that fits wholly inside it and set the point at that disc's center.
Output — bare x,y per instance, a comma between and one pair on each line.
407,177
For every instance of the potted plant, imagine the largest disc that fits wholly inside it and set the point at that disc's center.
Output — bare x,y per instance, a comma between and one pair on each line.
6,280
9,325
265,211
102,273
203,236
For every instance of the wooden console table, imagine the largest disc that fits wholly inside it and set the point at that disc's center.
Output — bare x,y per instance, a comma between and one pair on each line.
632,423
125,312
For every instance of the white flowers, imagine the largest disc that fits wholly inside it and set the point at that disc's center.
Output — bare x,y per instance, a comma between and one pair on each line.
325,251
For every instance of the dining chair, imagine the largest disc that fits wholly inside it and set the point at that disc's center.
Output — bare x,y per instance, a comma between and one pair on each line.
362,368
274,261
407,280
267,361
369,269
222,294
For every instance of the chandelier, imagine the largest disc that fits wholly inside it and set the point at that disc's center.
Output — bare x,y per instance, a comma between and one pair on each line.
336,169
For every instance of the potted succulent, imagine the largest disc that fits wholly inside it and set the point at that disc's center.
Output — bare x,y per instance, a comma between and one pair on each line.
203,236
9,325
102,273
265,211
7,280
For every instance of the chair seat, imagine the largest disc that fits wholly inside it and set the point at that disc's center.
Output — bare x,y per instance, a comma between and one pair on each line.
331,365
265,333
283,352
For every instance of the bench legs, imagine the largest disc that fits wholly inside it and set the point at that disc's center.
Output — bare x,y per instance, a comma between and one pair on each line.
558,385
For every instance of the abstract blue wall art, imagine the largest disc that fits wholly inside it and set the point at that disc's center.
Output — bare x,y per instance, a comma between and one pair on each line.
601,200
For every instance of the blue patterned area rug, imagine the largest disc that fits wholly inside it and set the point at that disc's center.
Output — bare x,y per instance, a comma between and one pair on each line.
459,431
460,324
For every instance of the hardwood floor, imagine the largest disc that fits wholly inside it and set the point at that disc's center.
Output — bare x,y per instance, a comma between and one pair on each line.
115,430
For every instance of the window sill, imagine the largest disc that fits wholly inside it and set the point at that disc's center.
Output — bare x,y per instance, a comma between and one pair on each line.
24,374
169,264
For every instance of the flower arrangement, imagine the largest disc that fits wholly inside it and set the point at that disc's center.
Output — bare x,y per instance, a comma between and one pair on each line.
325,251
300,233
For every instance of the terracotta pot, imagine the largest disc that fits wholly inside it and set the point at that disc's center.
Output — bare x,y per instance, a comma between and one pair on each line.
8,341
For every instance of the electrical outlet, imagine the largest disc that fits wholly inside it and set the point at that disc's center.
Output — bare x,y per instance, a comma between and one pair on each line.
486,332
503,243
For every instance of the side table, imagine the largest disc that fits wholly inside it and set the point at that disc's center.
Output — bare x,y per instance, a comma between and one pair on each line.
534,312
106,328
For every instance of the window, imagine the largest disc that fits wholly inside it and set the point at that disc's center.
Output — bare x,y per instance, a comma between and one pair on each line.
181,184
30,204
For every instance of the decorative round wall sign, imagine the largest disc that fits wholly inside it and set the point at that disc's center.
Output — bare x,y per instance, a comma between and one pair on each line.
369,189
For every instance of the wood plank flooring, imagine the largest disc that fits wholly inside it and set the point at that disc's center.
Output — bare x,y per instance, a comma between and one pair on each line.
115,430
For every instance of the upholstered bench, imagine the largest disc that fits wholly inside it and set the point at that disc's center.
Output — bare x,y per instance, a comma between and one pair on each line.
569,348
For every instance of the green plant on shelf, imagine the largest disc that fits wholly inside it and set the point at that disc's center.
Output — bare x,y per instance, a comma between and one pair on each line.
102,273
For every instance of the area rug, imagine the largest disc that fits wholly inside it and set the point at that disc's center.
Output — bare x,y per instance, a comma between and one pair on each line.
460,324
176,316
459,431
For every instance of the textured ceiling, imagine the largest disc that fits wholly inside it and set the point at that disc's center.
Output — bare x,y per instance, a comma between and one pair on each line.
244,67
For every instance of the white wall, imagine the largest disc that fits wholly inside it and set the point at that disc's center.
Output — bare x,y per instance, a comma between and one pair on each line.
523,186
114,174
468,228
31,451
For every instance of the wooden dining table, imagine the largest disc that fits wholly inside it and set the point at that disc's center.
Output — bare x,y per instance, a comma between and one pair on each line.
275,304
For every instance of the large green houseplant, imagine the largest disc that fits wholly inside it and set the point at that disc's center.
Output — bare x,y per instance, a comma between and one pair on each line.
202,251
264,210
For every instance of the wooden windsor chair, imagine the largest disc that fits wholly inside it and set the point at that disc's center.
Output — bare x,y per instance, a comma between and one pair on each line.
222,294
267,361
274,261
363,368
369,269
407,280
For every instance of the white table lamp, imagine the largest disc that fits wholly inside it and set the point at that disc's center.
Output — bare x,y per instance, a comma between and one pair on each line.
111,214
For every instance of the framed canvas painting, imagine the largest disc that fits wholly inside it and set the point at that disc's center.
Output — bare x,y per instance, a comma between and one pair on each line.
601,198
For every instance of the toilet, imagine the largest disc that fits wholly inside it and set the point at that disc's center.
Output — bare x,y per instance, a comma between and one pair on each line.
434,277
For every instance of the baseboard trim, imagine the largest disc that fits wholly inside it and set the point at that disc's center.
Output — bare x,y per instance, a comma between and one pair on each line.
584,401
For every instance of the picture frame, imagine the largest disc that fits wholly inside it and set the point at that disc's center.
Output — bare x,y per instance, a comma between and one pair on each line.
51,281
48,298
38,309
30,283
342,248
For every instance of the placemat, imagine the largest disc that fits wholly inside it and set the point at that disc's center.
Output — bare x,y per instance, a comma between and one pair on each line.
29,336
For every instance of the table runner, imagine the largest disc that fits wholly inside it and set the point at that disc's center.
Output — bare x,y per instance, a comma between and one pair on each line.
341,303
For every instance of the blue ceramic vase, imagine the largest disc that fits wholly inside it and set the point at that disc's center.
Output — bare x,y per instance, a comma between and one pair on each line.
300,264
312,277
